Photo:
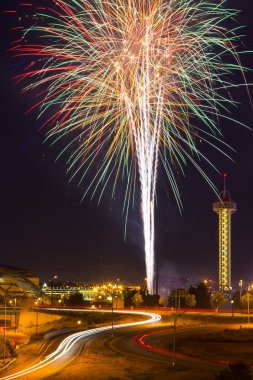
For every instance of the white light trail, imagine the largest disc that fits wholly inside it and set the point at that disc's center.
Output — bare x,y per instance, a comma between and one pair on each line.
68,343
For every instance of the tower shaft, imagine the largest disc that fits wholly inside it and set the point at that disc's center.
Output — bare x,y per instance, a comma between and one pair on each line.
225,207
224,249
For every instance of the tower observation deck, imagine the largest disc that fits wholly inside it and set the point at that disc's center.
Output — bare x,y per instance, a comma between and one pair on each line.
225,207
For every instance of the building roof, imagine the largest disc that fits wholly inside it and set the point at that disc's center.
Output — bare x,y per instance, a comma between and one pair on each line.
6,269
17,282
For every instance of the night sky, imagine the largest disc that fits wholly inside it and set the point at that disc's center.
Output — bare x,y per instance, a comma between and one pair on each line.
44,227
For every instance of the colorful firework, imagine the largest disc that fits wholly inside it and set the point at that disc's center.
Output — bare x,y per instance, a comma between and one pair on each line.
125,81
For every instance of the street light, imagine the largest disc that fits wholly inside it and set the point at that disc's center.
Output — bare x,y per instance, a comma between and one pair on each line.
37,317
174,339
15,317
93,311
15,313
37,302
5,312
248,296
240,285
55,277
232,307
111,299
5,326
112,313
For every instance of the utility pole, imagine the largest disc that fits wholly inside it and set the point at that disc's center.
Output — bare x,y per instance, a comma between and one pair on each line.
157,274
174,339
248,297
232,307
15,312
5,312
240,284
112,313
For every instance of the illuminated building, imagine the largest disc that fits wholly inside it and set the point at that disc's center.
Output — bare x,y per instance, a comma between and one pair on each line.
224,207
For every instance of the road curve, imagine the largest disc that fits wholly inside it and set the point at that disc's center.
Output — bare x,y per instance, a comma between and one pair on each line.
146,341
71,346
146,345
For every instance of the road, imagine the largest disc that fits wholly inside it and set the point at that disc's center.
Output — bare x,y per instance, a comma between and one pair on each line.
71,346
147,345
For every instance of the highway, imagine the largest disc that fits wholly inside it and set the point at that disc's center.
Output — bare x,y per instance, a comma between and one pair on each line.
71,346
147,342
147,345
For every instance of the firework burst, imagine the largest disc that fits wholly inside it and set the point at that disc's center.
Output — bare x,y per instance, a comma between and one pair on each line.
126,80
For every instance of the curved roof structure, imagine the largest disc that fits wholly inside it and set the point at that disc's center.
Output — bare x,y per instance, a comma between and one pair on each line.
17,282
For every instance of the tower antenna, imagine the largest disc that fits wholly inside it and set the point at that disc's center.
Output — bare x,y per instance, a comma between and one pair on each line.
225,181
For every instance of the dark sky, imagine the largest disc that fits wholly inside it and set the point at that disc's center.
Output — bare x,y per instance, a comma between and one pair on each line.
44,227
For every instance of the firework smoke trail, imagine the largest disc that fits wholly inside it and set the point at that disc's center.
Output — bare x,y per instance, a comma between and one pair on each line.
146,141
125,81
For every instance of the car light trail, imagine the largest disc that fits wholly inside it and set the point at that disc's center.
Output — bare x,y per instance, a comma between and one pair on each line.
70,342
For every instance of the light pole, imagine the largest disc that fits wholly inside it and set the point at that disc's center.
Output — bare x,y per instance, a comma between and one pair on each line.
37,317
111,299
15,313
10,303
112,313
55,277
15,316
93,313
248,297
174,339
232,307
240,285
5,312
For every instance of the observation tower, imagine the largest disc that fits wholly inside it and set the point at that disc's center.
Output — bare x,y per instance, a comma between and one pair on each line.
224,207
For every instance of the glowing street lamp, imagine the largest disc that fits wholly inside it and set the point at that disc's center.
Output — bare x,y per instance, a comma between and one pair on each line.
37,316
55,277
15,313
5,312
240,285
111,299
174,340
248,298
93,311
232,307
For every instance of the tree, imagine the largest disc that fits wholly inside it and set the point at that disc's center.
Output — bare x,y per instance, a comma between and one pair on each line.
10,348
128,297
74,299
218,300
247,299
202,295
162,301
150,300
237,371
137,299
190,300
